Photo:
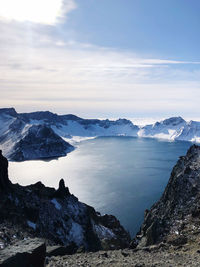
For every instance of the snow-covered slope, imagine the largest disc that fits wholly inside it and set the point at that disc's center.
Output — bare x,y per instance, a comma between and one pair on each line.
166,129
15,131
175,128
71,125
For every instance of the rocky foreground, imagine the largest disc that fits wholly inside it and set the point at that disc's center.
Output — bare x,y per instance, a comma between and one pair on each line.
169,236
129,258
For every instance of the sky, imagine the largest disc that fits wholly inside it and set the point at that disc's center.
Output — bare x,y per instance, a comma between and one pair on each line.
101,58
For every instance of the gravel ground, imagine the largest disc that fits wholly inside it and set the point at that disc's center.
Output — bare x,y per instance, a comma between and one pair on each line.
169,258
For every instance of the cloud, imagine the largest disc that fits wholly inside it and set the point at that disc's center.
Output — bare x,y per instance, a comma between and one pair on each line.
36,11
40,70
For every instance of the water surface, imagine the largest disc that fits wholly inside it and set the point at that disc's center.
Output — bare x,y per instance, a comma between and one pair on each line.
122,176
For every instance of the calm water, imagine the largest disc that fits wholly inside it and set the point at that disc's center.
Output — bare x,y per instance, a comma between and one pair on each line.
117,175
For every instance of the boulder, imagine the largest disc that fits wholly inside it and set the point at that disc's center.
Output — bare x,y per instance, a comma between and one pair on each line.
25,253
61,250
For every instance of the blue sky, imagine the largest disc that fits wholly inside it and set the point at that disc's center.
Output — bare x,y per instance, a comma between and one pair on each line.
157,27
98,58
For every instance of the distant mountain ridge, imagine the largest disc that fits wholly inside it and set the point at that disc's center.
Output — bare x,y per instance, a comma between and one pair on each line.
19,142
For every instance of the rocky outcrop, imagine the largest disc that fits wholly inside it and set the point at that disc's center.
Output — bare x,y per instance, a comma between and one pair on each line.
4,180
25,253
40,141
57,216
175,218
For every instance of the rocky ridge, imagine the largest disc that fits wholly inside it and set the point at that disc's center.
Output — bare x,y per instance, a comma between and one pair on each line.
55,215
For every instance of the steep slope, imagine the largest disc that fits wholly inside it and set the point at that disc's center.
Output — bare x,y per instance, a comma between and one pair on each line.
190,132
38,142
166,129
175,128
55,215
175,217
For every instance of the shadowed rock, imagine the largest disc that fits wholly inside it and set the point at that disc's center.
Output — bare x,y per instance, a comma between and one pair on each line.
26,253
176,215
4,180
57,216
62,190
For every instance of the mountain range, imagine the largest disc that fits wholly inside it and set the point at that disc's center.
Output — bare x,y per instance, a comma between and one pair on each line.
44,134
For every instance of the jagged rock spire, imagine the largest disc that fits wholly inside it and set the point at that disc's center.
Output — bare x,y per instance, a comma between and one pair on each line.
4,180
62,191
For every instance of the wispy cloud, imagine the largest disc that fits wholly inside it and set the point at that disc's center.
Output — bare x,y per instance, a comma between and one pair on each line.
41,70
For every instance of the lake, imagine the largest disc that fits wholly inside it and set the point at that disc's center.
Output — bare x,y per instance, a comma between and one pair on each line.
122,176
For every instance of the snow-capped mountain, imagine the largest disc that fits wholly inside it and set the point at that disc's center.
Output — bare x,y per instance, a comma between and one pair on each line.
21,140
71,125
175,128
166,129
45,134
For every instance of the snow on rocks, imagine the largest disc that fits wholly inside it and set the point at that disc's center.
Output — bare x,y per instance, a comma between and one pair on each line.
44,134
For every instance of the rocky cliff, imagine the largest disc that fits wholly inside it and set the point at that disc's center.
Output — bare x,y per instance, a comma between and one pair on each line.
56,215
175,218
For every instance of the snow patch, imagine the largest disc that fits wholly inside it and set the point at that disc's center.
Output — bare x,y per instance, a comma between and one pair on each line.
31,224
103,232
56,204
76,233
74,140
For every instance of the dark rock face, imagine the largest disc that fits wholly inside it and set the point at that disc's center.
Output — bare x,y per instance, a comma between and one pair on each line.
60,250
4,181
59,217
62,190
9,111
26,253
176,214
40,142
